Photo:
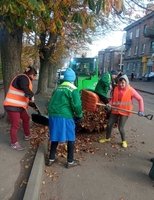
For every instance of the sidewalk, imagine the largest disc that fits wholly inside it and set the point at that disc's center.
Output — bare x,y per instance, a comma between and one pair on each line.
14,164
143,86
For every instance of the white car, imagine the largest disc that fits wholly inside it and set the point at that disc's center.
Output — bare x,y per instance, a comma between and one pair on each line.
148,76
60,74
151,74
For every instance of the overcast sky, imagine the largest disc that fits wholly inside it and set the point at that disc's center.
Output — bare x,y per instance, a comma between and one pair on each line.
113,39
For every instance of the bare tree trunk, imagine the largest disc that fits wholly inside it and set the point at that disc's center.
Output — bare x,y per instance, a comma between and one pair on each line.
43,77
46,49
52,77
11,48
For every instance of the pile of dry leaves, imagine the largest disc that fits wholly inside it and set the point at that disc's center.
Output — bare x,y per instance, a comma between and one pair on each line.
39,134
84,141
93,121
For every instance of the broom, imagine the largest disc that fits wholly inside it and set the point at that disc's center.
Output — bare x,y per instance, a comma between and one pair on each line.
90,101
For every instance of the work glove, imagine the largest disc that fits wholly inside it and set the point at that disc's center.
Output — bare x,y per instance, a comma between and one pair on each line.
108,107
141,114
32,104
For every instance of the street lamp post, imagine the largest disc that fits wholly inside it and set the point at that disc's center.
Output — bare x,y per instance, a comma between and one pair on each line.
122,51
121,58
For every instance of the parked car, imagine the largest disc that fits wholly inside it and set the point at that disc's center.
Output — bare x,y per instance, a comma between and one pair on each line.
60,75
151,74
148,76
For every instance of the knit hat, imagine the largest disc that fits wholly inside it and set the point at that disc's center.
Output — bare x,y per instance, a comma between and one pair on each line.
69,75
114,72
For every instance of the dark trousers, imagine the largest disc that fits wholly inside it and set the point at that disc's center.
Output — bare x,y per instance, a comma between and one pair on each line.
70,150
121,120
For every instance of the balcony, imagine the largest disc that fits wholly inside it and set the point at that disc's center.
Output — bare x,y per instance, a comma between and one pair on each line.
149,32
128,42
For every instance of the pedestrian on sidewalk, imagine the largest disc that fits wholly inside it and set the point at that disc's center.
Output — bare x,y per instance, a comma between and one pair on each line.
132,76
16,103
64,107
122,99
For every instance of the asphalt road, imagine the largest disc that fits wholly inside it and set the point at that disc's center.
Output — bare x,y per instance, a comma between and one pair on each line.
111,172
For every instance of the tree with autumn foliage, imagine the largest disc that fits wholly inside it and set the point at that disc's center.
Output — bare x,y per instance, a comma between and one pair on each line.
16,17
70,20
52,21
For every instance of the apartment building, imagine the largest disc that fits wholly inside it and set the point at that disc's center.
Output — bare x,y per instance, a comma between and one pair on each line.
109,59
139,47
0,69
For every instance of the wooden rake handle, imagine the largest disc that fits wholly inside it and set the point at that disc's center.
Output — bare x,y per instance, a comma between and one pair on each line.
149,116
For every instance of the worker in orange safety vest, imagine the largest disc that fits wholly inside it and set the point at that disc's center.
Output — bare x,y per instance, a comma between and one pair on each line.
16,103
122,99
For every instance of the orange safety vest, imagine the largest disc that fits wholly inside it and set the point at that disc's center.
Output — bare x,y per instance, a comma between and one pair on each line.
124,103
16,97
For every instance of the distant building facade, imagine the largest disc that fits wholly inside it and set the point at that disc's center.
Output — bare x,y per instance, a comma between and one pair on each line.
139,47
109,59
0,68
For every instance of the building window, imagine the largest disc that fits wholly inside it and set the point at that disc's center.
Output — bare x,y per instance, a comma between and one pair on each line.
129,52
137,32
152,47
130,35
128,67
136,50
145,27
143,48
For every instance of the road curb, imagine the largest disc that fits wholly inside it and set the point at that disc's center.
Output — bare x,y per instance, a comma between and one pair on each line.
144,91
35,179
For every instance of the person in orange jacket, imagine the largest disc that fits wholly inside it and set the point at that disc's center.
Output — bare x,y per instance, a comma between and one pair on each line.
16,103
122,99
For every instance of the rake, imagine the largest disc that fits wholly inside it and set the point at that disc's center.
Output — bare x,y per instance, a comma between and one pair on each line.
90,101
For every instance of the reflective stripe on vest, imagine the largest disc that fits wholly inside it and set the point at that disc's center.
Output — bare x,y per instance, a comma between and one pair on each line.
20,93
16,102
124,103
16,97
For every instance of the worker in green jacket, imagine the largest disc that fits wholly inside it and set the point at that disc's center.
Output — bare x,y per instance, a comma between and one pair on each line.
104,85
64,107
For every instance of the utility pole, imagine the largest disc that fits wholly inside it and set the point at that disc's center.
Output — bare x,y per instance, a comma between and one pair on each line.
122,50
